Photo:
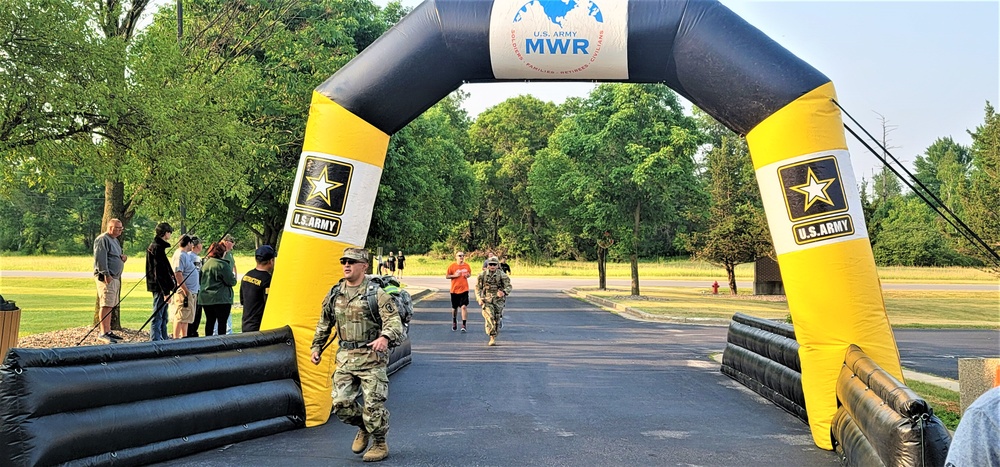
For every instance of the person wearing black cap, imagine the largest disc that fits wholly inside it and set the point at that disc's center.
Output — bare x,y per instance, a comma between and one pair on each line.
255,286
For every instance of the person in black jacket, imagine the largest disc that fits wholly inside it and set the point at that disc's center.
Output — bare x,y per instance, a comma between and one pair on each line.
159,279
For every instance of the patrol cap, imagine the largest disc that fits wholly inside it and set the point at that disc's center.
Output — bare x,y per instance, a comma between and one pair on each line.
493,260
265,253
357,254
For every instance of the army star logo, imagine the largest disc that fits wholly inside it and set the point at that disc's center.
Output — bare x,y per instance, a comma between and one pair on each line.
812,188
815,190
324,186
321,186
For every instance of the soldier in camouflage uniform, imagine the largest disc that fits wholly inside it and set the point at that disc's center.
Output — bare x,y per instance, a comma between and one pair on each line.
492,289
363,353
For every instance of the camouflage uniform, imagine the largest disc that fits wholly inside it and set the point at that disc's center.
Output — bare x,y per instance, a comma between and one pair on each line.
359,369
488,284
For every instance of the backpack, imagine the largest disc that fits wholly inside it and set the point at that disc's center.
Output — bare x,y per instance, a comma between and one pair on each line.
399,295
390,285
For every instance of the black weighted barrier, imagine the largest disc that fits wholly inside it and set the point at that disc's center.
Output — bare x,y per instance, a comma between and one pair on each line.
880,421
133,404
763,355
399,356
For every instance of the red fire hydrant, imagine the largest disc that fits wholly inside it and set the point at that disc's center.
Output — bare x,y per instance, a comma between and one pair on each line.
715,288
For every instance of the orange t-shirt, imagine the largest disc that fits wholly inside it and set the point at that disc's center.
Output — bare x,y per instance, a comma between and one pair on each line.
459,284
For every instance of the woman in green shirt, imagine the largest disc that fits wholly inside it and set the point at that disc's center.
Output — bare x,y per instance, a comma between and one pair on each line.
217,281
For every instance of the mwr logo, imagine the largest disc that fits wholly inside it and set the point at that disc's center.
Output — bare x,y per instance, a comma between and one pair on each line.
812,188
324,185
558,37
815,231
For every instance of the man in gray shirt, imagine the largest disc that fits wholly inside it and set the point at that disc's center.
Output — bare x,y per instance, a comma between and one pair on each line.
109,262
977,438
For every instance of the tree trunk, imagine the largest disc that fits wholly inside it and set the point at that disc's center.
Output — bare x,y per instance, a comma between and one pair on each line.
634,257
731,273
602,272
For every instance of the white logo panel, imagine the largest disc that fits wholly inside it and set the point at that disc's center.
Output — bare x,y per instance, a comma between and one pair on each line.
559,39
811,200
333,198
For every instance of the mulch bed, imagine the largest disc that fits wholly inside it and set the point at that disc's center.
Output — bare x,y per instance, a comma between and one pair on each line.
73,337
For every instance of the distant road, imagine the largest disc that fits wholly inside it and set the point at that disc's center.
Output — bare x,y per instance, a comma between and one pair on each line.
439,282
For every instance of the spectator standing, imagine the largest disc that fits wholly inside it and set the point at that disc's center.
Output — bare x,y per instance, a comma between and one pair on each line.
459,273
229,242
977,438
391,261
196,248
400,263
109,262
217,281
160,279
492,289
504,266
363,353
255,286
185,300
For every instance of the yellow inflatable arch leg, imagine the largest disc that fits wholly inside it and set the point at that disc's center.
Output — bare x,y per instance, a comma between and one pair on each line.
342,153
814,212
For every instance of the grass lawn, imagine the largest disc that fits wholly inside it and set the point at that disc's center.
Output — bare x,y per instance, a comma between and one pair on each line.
423,265
52,304
906,308
944,402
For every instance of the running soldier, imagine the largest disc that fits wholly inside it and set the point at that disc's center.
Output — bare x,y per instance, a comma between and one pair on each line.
492,290
363,354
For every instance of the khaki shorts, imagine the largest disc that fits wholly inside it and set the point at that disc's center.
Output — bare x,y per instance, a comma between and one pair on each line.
108,293
181,313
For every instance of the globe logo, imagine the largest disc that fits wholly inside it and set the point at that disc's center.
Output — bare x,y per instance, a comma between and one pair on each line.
557,38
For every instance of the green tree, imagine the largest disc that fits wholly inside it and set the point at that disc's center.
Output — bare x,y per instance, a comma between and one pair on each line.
306,43
737,229
427,190
503,141
52,67
982,196
624,159
942,168
909,236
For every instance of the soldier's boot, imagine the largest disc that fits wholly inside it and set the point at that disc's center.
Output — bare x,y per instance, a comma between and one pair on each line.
378,451
361,441
493,340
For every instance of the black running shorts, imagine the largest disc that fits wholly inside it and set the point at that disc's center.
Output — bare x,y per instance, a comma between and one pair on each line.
460,299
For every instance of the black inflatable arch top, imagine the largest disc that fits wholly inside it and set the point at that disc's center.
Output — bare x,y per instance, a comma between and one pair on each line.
725,66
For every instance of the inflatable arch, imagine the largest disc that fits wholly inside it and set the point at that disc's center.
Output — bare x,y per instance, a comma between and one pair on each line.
701,50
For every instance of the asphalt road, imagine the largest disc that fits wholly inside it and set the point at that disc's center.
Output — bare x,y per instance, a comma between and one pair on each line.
568,385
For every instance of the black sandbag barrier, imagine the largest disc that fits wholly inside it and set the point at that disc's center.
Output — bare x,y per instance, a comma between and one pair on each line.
133,404
880,421
399,356
763,355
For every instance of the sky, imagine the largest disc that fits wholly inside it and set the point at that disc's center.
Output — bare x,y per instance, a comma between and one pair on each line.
928,67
